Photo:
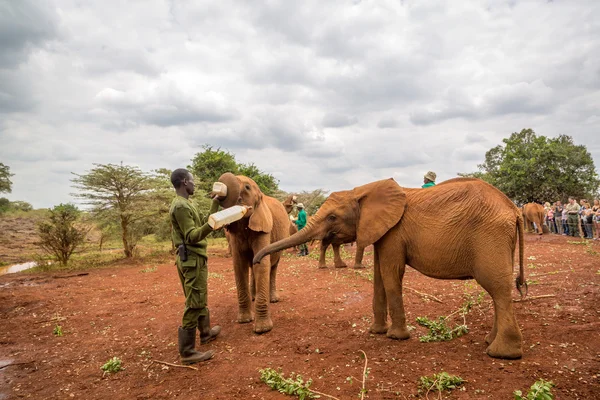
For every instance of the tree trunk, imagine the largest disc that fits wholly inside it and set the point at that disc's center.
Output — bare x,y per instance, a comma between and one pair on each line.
125,229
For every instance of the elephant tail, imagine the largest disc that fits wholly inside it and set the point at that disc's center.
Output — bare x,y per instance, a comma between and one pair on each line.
520,281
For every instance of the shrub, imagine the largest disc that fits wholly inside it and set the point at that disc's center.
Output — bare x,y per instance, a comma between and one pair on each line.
59,236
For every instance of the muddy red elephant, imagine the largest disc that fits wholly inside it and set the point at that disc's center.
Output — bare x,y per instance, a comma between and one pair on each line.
534,212
478,242
265,222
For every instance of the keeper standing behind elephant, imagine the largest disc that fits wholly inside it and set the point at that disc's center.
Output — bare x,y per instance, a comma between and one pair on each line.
573,216
301,223
429,179
189,236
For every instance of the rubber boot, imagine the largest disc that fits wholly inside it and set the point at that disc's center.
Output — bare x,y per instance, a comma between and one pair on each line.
187,347
207,334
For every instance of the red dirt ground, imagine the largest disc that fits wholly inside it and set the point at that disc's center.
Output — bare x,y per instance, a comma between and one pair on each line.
321,325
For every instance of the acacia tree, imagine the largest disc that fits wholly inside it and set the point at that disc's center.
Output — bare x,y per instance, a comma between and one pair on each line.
5,182
126,195
528,168
59,235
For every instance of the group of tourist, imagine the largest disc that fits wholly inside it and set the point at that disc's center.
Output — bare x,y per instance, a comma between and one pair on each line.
574,219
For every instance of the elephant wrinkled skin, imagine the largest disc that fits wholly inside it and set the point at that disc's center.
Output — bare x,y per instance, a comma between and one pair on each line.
266,222
475,240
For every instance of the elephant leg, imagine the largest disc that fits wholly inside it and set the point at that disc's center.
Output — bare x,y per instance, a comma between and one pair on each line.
337,260
392,274
505,337
380,324
273,284
241,266
262,276
323,249
252,285
358,257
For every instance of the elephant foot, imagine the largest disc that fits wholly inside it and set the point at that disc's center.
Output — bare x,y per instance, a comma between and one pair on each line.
358,266
342,265
244,317
489,338
263,325
274,298
398,333
322,266
502,350
379,329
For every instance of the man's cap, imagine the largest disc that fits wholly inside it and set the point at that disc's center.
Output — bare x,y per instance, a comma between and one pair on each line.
430,175
300,205
233,190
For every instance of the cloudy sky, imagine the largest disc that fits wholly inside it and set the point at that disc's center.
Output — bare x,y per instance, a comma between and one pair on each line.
320,94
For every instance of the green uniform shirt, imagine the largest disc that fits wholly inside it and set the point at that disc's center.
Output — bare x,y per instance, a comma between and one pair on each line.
189,226
428,184
572,208
301,221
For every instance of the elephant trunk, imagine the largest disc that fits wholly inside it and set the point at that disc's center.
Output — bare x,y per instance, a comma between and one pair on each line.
302,236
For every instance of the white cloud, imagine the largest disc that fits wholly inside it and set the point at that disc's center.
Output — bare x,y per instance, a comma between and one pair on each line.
321,94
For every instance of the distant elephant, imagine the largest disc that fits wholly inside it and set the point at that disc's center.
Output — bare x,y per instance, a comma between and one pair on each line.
337,259
534,212
477,240
266,222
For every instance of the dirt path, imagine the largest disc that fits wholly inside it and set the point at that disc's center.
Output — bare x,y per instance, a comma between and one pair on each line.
321,324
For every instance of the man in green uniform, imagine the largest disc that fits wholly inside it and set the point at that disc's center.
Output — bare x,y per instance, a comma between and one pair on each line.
429,179
189,236
301,223
573,216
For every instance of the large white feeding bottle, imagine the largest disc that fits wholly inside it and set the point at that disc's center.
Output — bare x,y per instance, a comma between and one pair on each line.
226,216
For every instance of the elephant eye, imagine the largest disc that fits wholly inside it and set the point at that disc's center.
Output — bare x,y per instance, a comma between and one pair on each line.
331,217
247,187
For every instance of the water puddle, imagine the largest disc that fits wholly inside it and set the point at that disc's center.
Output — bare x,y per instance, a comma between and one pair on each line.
11,269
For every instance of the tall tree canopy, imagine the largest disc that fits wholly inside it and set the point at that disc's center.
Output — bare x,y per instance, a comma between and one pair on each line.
5,182
126,195
530,168
208,165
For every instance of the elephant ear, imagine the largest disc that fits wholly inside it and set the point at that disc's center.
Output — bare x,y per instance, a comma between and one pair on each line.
261,219
382,204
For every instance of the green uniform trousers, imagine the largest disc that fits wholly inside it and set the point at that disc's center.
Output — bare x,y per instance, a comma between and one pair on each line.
573,221
193,275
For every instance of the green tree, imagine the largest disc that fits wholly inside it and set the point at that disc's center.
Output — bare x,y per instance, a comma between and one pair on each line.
59,235
5,182
266,182
208,165
527,168
126,195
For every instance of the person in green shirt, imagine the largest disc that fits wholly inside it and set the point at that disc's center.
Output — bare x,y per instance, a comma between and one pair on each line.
429,179
301,223
573,216
189,231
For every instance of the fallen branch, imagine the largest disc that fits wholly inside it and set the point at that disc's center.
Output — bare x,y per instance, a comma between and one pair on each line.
424,294
323,394
543,296
55,319
362,391
70,276
172,365
17,363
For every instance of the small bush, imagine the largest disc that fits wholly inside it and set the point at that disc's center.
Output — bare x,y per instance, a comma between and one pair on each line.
540,390
439,382
294,385
439,331
112,366
57,330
